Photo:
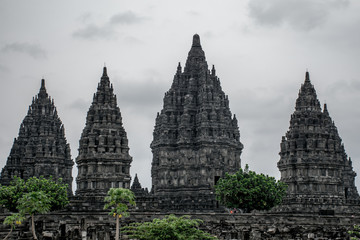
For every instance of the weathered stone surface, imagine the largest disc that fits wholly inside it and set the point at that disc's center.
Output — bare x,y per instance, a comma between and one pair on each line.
103,159
196,138
313,161
41,148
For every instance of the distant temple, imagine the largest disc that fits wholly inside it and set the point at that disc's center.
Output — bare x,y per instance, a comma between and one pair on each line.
41,148
196,140
313,162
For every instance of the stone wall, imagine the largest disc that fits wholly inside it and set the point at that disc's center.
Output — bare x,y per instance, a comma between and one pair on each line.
94,224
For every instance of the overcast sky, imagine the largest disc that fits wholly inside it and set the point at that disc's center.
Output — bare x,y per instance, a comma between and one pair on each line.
260,49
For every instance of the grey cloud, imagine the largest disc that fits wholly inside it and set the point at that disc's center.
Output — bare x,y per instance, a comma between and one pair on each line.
145,97
301,15
92,31
126,18
341,88
107,30
80,104
4,69
132,40
32,50
193,13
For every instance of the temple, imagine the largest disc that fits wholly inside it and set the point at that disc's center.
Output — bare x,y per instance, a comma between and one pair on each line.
313,162
196,138
103,161
41,148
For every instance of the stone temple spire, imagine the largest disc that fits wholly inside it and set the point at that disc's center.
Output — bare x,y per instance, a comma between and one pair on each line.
41,148
307,99
196,138
103,159
196,58
313,161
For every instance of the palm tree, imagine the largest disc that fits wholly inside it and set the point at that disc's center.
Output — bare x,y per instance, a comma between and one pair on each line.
118,200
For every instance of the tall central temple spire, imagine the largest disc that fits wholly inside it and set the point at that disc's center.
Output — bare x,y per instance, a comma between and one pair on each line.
196,138
196,57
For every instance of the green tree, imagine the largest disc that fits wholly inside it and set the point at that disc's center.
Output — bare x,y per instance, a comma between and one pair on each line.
168,228
13,220
9,195
56,191
248,191
118,200
32,203
36,195
355,233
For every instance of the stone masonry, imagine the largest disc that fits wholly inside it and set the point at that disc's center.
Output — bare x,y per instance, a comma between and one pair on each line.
196,138
313,162
103,160
196,141
41,148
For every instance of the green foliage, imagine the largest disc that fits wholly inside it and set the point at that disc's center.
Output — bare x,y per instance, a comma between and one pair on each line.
168,228
9,195
13,220
118,199
355,233
56,192
34,202
248,191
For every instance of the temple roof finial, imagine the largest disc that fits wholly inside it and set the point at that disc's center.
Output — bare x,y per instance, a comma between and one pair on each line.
196,41
179,69
42,84
307,76
42,92
104,72
325,109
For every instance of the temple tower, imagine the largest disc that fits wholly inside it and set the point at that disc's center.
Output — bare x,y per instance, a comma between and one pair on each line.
313,161
41,148
196,139
103,160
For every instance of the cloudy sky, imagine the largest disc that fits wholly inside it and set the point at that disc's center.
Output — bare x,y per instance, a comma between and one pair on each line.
260,48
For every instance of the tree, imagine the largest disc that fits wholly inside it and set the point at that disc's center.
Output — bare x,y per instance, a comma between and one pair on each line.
56,191
118,200
13,220
9,195
248,191
36,195
32,203
168,228
355,233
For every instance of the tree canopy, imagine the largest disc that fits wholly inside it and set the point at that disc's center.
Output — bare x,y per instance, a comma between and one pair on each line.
168,228
55,191
248,191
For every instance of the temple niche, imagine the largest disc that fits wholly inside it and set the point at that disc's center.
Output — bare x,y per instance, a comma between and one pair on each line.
196,138
313,161
41,148
103,161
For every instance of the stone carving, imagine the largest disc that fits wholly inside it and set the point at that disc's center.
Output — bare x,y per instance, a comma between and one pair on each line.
103,159
192,152
313,161
41,148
